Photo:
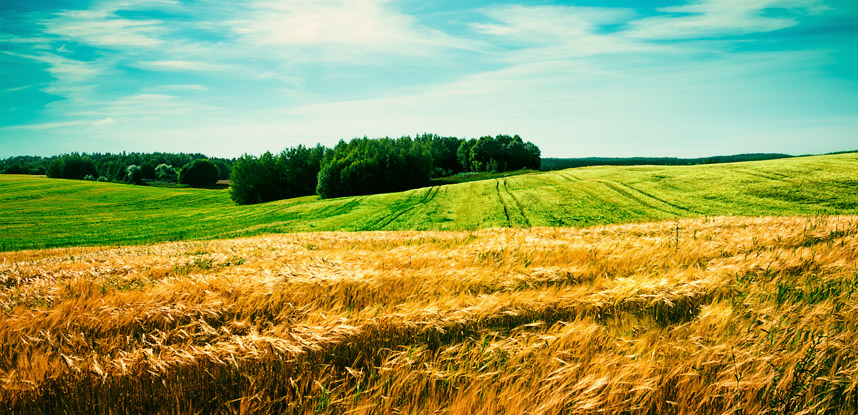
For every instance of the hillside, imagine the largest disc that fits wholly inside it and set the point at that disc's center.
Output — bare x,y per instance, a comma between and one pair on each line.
38,212
702,316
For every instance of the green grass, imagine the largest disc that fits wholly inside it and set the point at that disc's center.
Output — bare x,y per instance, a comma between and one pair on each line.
37,212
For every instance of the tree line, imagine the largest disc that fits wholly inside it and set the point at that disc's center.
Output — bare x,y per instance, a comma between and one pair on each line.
135,168
367,166
568,163
358,167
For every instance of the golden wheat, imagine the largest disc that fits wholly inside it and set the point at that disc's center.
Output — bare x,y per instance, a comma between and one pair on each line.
713,315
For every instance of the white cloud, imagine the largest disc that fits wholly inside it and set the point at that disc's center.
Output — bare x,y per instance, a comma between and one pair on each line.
178,87
48,125
338,30
712,18
186,65
106,121
103,28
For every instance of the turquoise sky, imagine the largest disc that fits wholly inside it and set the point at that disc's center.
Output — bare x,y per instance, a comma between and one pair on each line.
588,78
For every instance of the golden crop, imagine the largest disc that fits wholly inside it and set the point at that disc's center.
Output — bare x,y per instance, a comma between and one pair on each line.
724,315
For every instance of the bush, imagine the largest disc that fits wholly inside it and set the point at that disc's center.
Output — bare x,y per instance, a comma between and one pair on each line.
199,173
166,173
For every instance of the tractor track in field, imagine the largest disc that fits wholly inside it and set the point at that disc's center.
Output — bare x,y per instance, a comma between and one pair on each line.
517,204
568,177
503,202
428,197
635,189
616,187
344,208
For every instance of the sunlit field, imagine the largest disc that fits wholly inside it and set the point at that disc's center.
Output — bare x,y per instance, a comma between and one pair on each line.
46,213
690,316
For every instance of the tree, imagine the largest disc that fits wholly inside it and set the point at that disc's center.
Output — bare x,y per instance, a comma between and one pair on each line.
292,173
502,153
199,173
148,170
364,166
255,180
298,169
14,169
166,173
71,166
463,154
134,174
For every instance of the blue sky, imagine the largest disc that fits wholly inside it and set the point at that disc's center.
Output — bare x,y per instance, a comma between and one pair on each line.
588,78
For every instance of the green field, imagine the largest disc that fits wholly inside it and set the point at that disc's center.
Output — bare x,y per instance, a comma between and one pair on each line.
36,212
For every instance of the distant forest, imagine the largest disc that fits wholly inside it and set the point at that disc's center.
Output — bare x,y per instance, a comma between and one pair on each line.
357,167
567,163
367,166
111,167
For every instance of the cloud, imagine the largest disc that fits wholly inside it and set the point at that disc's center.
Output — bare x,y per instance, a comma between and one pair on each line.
48,125
714,18
106,121
185,65
178,87
540,33
102,28
339,30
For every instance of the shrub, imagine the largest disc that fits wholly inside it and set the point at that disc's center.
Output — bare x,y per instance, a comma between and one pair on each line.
166,173
199,173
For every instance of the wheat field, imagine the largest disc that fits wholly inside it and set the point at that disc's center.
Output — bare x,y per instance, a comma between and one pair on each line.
720,315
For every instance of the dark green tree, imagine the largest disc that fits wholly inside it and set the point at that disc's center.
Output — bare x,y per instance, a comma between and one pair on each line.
134,174
255,180
166,173
199,173
71,166
365,166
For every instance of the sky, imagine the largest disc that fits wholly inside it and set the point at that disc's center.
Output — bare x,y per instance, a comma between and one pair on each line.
578,78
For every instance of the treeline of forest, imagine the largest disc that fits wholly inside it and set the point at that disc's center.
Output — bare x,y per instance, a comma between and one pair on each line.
123,167
357,167
568,163
366,166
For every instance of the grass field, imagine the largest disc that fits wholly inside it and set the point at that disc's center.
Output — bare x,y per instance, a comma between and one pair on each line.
695,316
41,213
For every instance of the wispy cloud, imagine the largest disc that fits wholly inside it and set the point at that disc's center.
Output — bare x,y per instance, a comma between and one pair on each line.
48,125
103,28
298,71
339,30
178,87
106,121
713,18
184,65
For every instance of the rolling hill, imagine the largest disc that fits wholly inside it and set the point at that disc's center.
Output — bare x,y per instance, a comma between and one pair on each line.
37,212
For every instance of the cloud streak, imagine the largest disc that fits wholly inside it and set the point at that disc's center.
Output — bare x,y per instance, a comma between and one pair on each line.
573,79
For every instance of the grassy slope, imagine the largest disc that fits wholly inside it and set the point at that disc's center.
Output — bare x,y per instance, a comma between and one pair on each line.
39,212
